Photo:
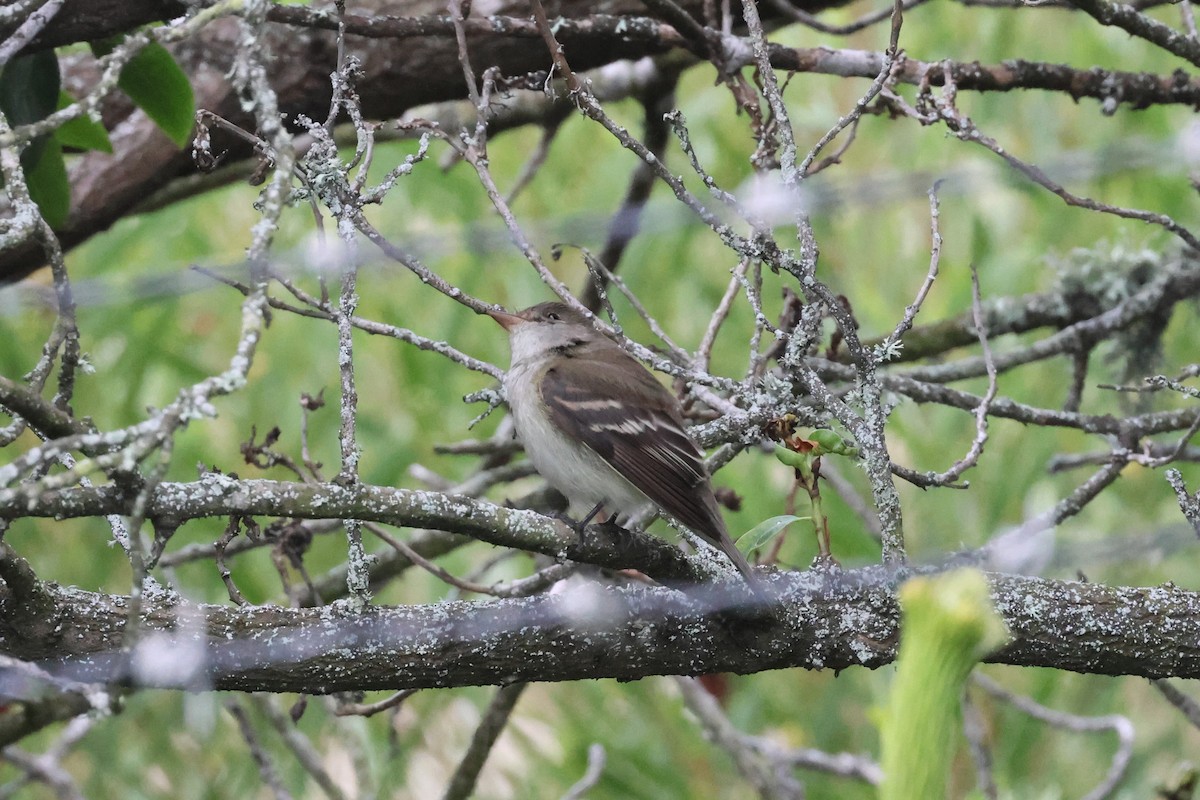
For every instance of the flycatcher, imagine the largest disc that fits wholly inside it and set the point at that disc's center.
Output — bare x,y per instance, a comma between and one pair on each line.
600,428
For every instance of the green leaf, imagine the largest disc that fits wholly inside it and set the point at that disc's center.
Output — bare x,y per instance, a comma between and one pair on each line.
158,86
48,185
82,133
765,531
830,442
28,93
29,88
791,458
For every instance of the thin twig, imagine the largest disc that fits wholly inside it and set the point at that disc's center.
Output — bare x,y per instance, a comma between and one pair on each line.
370,709
462,784
966,130
975,729
266,769
885,73
891,344
865,21
1182,702
591,776
1115,723
720,314
306,755
981,412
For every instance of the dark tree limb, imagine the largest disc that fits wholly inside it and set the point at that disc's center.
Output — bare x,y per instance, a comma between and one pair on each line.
43,416
89,20
814,619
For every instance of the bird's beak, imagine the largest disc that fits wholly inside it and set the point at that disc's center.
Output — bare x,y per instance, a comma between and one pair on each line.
507,321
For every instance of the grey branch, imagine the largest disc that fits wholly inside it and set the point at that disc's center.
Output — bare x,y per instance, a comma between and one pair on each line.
826,620
219,496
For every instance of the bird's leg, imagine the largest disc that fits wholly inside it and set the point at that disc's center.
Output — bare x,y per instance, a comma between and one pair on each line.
583,523
612,522
578,525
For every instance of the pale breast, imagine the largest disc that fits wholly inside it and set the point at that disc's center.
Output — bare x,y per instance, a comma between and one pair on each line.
569,466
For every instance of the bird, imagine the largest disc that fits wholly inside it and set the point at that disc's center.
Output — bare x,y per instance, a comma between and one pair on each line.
601,429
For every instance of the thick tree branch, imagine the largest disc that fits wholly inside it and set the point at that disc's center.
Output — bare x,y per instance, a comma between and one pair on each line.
89,20
817,620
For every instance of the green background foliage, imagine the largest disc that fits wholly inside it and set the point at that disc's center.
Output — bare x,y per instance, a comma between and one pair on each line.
149,327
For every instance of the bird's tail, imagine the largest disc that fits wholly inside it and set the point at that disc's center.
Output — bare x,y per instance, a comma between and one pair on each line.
735,555
717,535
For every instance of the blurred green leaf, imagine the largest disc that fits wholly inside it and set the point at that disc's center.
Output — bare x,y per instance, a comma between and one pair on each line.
158,86
28,93
102,47
48,185
29,88
82,133
765,531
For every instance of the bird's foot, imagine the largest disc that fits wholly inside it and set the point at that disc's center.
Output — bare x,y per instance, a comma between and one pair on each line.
569,521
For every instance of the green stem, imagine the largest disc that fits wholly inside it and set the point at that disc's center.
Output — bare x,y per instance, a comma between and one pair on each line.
947,624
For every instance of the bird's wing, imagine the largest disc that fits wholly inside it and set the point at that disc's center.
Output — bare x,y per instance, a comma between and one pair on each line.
631,421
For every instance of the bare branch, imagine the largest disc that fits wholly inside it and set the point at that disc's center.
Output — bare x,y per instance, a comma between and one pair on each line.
462,784
1138,24
1114,723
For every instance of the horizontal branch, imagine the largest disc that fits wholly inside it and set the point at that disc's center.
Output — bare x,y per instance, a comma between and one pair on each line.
219,496
1141,425
1137,89
818,620
91,20
88,20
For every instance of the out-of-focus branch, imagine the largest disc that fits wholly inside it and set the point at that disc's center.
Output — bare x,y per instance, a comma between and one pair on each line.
462,784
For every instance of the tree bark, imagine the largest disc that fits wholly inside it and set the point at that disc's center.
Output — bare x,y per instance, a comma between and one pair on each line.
817,620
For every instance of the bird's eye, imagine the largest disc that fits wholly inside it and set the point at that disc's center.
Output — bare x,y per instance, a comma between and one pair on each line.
553,316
